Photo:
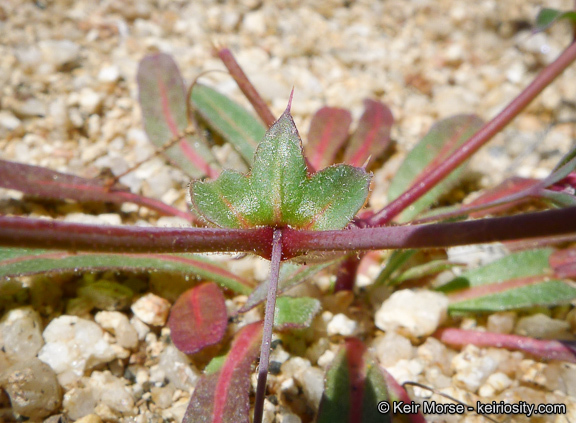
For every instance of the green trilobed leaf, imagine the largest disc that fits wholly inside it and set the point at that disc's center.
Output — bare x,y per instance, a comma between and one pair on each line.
279,192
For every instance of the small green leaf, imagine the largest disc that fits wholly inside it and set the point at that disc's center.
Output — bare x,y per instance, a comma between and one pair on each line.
519,265
355,384
279,192
426,269
396,260
441,141
234,123
295,313
549,293
547,17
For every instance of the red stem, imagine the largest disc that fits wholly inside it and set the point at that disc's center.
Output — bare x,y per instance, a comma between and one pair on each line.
435,175
39,233
523,226
246,86
268,325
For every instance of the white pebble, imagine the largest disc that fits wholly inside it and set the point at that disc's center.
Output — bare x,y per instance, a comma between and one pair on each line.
312,382
112,392
543,327
472,367
177,368
391,348
151,309
59,52
109,74
90,100
417,312
79,402
33,389
342,325
21,334
118,324
72,346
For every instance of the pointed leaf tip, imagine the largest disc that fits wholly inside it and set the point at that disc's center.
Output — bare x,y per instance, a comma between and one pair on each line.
279,192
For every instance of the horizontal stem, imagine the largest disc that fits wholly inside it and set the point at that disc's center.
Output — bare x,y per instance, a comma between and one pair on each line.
531,225
484,134
53,234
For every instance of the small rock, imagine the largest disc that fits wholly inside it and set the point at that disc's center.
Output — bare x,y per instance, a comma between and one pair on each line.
151,309
177,368
472,367
90,418
543,327
112,392
21,334
72,346
30,108
418,312
90,101
118,324
80,402
33,389
8,120
391,348
109,74
162,397
312,382
59,52
141,328
502,322
342,325
495,384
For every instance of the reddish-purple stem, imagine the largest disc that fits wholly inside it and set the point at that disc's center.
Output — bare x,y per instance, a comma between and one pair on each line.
531,225
268,325
434,176
40,233
246,86
547,349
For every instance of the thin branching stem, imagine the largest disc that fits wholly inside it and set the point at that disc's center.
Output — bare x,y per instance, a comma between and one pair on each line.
484,134
246,86
268,325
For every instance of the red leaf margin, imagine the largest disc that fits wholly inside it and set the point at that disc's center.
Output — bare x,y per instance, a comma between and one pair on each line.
223,396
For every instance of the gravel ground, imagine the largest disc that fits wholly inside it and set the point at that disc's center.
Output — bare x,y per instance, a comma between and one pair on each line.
69,102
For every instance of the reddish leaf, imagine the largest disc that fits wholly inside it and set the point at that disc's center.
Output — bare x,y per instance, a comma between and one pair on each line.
328,131
45,183
547,349
163,101
563,263
398,394
372,135
508,187
223,396
567,185
198,318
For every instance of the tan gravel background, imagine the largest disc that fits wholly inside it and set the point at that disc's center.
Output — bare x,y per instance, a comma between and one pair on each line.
68,97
